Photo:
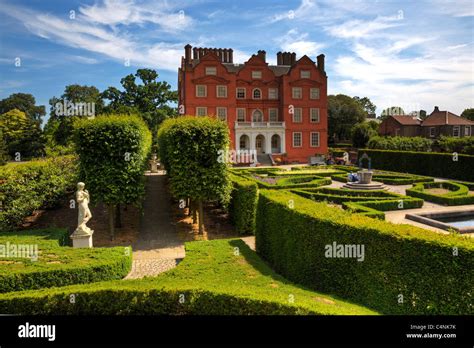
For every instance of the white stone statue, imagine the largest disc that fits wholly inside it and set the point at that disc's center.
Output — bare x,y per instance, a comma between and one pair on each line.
83,198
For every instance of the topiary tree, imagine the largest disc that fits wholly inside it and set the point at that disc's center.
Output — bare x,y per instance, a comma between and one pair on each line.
113,151
191,149
361,133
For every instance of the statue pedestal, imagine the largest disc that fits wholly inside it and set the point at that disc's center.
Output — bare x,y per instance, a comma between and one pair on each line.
154,166
81,240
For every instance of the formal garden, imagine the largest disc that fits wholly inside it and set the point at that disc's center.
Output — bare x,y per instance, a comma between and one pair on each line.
285,220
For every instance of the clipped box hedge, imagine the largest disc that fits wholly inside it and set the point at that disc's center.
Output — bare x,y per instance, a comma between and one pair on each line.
429,273
243,204
459,194
28,186
58,264
439,165
213,279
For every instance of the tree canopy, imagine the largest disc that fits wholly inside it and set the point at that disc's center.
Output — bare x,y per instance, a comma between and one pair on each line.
468,113
366,104
23,102
344,113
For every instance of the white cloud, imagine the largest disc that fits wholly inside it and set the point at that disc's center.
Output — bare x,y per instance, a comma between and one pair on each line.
362,29
293,41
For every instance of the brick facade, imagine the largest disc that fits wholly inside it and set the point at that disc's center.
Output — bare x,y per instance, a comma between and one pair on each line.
268,108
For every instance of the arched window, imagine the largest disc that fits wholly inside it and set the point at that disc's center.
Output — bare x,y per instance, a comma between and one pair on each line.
257,93
257,116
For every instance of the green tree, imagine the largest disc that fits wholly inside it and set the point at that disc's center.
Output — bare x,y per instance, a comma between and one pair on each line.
344,113
422,114
468,113
76,102
112,153
21,135
192,149
366,104
392,111
150,98
24,102
361,134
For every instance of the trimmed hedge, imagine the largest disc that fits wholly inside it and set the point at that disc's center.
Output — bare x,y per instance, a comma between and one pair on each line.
389,178
433,272
213,279
439,165
57,264
459,194
400,143
243,204
370,203
28,186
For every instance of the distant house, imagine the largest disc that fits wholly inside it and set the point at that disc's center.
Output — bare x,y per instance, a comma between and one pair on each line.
436,124
400,125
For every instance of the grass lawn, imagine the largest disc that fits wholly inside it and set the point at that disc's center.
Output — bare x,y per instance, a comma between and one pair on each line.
56,264
218,277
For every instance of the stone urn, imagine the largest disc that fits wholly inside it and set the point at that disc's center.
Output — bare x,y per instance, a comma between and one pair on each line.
365,176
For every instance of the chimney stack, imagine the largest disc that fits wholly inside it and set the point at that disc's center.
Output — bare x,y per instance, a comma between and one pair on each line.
231,55
320,60
187,53
436,109
279,58
262,54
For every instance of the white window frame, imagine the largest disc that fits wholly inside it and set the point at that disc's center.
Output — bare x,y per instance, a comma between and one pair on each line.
300,115
244,114
311,115
271,95
293,139
311,139
221,108
217,91
211,72
253,115
237,92
294,89
467,131
256,74
198,108
270,114
303,74
459,131
253,93
197,91
432,132
311,90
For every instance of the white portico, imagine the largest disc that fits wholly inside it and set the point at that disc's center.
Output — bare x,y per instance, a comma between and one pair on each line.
264,137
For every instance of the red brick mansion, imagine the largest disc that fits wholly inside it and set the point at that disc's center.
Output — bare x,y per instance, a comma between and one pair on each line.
273,109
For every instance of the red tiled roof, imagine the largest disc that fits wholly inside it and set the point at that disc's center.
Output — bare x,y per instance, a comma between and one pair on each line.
438,118
406,120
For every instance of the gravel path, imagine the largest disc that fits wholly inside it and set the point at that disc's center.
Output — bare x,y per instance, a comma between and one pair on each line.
158,247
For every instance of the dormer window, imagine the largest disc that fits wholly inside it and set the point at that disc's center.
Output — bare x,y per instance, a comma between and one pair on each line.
211,70
305,74
256,74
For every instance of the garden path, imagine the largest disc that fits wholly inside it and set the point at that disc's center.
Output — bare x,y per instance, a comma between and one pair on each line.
158,247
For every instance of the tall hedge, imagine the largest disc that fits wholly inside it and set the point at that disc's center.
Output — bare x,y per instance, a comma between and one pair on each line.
434,164
191,149
243,204
405,270
27,186
113,151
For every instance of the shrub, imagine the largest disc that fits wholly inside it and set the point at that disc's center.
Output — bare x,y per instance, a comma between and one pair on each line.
112,152
455,144
398,260
361,133
213,279
459,194
400,143
59,265
439,165
28,186
193,149
243,204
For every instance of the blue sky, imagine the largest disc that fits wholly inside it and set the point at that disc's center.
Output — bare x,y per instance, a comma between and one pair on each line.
414,54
